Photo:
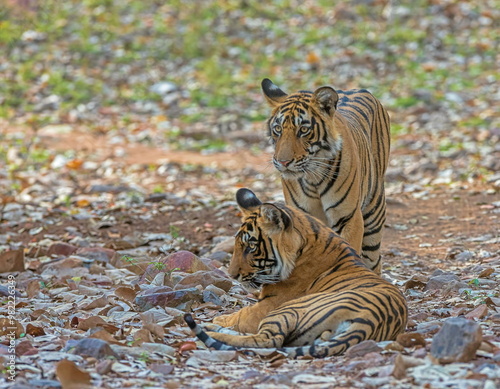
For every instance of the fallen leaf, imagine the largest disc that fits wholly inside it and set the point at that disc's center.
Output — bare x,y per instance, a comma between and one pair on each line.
9,326
187,346
478,313
126,293
486,272
71,377
411,339
11,261
34,330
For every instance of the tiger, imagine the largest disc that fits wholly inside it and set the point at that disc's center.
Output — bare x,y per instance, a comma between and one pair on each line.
316,298
331,148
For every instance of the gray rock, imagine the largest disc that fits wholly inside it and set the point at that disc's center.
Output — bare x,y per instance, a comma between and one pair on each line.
211,297
444,280
96,348
464,256
159,348
204,279
168,299
457,341
221,256
99,254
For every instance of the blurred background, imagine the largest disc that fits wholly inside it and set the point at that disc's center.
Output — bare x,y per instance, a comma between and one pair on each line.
145,94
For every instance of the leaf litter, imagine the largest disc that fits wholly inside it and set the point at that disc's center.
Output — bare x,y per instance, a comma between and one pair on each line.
123,228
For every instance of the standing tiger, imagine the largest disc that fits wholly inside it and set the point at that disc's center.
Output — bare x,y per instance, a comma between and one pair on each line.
317,298
332,150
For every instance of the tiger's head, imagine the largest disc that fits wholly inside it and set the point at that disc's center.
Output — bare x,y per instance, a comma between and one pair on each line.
301,129
266,244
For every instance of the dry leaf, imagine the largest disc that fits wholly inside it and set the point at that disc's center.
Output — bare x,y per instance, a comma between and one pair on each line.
96,321
187,346
312,58
71,377
74,164
104,335
97,303
411,339
33,288
11,261
486,272
478,313
10,327
126,293
34,330
142,336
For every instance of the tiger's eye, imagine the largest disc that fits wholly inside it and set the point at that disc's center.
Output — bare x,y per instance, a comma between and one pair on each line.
304,131
277,129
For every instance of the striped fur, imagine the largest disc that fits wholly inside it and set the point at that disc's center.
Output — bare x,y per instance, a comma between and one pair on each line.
317,298
332,150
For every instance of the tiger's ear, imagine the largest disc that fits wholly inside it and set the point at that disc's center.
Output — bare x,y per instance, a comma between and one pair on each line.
247,200
326,98
273,94
273,219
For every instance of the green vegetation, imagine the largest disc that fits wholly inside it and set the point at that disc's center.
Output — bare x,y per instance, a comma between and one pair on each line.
110,52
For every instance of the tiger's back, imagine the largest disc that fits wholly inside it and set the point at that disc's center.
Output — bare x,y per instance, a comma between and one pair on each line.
321,299
332,150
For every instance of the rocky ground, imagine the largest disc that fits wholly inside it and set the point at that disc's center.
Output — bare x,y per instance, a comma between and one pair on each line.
117,187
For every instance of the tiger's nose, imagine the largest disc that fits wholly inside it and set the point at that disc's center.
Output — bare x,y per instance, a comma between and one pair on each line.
285,163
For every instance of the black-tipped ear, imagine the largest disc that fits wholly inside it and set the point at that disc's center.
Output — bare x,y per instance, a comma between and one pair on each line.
274,219
247,200
327,98
273,94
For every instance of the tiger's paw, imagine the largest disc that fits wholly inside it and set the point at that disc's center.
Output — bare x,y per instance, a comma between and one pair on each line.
225,320
212,327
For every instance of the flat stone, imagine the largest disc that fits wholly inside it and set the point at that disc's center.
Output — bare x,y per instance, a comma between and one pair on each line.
5,291
159,348
211,297
218,291
204,279
99,254
157,289
227,245
93,347
441,281
168,299
220,256
457,341
183,261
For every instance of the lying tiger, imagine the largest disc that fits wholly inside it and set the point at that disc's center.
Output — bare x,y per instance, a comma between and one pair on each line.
317,297
332,151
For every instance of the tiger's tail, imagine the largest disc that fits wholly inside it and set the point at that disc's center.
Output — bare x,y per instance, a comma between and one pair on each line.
323,349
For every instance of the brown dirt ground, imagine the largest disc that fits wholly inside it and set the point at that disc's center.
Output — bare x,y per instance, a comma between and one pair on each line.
422,229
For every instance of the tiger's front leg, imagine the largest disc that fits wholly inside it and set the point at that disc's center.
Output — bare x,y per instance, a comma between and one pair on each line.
246,320
353,231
